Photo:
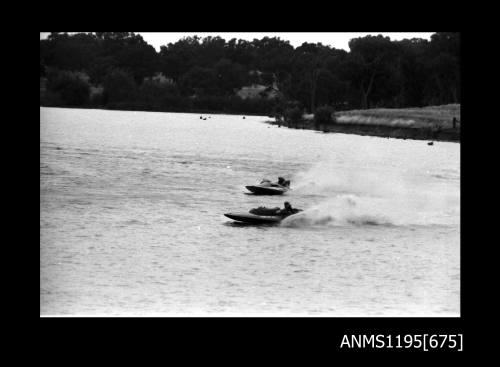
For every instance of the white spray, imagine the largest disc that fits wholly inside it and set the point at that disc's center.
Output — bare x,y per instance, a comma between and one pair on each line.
367,194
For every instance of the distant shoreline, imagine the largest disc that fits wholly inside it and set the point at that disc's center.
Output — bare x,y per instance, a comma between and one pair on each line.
380,131
424,123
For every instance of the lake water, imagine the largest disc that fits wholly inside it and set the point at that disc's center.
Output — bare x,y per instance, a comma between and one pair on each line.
131,219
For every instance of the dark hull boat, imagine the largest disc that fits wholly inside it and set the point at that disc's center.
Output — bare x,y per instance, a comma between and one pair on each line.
267,190
253,218
260,215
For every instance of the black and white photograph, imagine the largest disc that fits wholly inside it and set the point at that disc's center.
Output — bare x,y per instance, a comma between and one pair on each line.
251,174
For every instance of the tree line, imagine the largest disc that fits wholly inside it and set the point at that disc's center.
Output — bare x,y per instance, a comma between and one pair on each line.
119,70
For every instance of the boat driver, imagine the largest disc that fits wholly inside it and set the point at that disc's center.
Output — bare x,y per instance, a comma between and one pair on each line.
288,210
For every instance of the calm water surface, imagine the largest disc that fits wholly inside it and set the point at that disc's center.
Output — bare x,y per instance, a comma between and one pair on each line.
131,219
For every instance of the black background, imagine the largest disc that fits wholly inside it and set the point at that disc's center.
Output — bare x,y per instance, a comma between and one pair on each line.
240,340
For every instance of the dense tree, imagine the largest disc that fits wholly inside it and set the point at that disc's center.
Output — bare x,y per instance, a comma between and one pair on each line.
212,49
241,52
444,67
70,88
139,59
330,88
375,72
273,57
68,52
410,73
230,76
177,58
309,60
372,58
119,88
199,81
158,96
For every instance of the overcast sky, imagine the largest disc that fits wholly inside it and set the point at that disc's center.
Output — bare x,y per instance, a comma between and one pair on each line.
334,39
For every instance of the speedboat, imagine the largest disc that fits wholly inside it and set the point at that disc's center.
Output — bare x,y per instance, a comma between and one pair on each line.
260,215
267,190
253,218
267,187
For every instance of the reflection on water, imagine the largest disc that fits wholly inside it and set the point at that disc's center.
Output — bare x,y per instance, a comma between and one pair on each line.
131,219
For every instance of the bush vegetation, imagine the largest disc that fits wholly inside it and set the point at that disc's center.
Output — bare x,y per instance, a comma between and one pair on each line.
293,115
324,116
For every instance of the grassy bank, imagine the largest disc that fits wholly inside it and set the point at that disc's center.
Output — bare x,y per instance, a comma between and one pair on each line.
421,118
427,123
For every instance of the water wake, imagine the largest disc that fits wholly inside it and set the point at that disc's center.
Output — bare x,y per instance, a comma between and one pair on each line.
358,196
344,210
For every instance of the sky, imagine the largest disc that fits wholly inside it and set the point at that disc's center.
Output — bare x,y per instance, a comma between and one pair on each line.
337,40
